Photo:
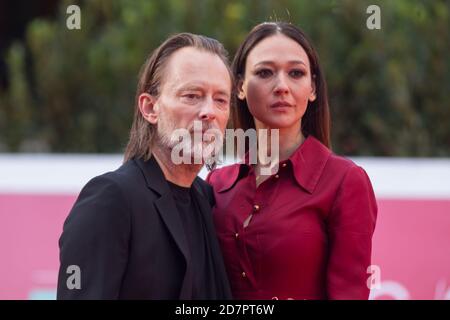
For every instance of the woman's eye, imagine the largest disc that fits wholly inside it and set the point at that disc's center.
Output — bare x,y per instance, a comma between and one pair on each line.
297,73
264,73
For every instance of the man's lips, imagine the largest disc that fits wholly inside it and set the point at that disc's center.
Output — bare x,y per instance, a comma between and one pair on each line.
202,131
205,132
281,104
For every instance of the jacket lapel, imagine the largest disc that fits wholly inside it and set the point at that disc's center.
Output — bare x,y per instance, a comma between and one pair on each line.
169,214
168,211
219,266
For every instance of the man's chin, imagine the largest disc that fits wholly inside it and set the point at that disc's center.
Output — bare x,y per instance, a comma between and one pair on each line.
198,155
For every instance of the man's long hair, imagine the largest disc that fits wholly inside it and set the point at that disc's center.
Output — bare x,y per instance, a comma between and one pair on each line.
142,133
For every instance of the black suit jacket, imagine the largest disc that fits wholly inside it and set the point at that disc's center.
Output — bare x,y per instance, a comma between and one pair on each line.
125,234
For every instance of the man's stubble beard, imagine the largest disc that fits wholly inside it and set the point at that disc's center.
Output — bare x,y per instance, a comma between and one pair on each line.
167,140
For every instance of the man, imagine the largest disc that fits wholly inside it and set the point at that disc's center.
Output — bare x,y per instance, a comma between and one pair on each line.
145,230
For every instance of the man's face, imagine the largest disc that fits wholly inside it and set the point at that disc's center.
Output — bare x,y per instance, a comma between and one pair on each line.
196,87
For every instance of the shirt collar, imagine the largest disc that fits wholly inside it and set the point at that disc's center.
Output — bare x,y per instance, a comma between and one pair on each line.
307,163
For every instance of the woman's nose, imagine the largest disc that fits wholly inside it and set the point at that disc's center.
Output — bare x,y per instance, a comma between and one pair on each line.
281,86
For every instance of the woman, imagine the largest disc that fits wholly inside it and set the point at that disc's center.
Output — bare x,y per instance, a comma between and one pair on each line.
304,231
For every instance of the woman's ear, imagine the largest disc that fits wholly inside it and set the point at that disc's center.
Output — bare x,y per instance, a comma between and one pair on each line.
240,90
312,96
148,107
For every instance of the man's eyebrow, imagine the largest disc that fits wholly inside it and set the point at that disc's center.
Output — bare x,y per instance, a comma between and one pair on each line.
194,87
224,93
191,87
268,62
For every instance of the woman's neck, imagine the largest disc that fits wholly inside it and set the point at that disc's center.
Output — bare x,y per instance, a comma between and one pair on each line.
289,139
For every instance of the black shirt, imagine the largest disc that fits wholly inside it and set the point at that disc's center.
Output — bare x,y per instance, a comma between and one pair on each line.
204,286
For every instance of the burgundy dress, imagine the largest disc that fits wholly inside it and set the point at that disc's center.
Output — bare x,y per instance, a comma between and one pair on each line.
310,234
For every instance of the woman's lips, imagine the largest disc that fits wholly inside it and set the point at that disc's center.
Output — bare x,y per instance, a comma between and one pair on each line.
280,105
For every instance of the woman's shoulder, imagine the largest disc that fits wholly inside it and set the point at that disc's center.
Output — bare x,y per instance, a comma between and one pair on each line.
349,172
224,177
317,160
340,163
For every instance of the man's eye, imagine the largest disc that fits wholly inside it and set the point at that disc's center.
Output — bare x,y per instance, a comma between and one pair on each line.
297,73
264,73
222,101
191,96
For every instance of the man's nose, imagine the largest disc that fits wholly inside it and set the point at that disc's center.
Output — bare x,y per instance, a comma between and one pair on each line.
208,110
281,86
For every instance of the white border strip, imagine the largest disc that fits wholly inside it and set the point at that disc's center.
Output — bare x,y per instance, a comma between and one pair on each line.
67,174
408,177
52,174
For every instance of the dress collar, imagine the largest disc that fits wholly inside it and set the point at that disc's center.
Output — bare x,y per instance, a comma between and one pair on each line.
307,164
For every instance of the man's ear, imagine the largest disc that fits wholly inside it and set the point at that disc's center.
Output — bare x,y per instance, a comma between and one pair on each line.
240,90
148,108
312,96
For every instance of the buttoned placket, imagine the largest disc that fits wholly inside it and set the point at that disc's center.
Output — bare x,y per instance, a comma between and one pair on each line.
257,207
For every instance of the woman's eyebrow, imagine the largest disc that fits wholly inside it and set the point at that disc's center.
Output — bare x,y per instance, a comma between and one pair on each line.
269,62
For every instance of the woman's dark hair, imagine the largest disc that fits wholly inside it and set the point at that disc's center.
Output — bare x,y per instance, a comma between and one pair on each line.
316,120
151,76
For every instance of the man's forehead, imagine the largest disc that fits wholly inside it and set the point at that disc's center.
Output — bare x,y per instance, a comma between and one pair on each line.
194,60
192,67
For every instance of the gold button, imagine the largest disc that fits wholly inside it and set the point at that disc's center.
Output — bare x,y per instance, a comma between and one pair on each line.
284,165
243,275
236,235
255,207
277,176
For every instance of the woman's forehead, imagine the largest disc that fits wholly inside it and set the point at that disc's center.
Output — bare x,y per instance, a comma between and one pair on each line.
277,48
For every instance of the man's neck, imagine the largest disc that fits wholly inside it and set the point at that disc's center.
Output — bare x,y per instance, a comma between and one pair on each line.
179,174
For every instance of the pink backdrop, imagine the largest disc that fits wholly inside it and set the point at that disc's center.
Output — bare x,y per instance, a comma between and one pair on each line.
411,246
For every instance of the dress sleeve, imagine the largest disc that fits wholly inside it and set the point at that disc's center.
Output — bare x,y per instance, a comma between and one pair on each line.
351,224
95,239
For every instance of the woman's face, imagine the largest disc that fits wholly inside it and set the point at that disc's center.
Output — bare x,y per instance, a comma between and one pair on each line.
278,83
